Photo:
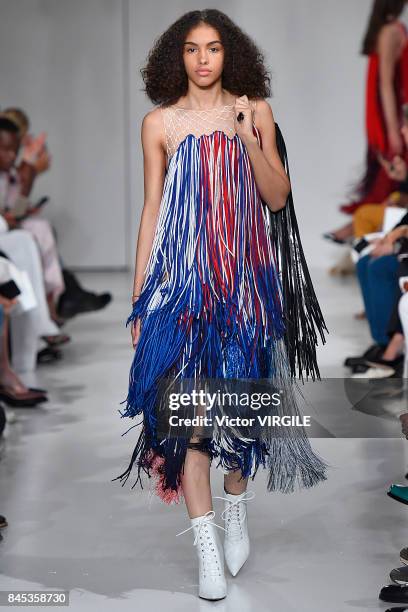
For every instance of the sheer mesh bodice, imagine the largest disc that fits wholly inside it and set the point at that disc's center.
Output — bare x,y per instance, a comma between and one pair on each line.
179,122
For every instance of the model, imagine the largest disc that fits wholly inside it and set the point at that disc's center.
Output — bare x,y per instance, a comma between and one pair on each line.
385,44
221,287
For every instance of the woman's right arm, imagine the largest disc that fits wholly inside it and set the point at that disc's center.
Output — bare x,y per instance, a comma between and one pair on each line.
154,164
397,233
389,49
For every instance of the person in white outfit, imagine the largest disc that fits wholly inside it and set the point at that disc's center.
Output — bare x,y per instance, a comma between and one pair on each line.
15,186
398,233
12,389
22,249
27,327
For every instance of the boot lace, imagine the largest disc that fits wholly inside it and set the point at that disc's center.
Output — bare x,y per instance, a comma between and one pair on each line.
209,554
232,515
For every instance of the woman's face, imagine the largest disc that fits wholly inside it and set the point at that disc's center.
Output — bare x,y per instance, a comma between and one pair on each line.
8,150
203,55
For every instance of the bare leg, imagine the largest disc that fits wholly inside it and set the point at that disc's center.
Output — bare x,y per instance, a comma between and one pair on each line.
394,348
344,232
233,483
196,483
52,309
8,378
196,477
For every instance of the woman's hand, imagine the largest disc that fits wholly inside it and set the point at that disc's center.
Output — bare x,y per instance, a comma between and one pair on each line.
381,248
135,331
33,147
385,245
43,162
396,234
11,219
7,303
395,142
244,127
396,169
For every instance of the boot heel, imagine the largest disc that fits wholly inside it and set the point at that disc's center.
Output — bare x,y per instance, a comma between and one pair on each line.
236,539
212,583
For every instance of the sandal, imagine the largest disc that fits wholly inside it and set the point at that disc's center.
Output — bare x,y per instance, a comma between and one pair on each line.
20,400
333,238
56,340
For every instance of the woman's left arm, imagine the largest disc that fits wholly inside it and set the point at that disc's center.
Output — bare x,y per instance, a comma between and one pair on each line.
270,176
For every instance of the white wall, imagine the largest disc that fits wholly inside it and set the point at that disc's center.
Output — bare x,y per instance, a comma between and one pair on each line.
75,66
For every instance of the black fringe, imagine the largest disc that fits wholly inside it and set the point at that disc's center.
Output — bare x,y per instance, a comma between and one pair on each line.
139,451
303,316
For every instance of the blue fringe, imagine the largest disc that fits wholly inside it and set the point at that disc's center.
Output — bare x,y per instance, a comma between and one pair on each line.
228,338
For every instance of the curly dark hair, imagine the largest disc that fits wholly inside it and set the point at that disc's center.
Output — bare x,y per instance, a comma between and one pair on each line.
244,71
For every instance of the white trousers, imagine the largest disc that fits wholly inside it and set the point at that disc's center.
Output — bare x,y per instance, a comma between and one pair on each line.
43,234
27,327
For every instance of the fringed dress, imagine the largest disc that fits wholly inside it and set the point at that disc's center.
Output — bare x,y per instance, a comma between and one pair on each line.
227,295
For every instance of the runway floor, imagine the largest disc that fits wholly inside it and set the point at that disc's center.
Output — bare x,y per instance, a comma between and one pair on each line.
326,549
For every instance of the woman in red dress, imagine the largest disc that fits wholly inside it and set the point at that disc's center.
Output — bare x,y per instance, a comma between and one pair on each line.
386,45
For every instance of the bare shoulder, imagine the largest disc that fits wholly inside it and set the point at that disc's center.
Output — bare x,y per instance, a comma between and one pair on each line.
152,127
391,35
263,113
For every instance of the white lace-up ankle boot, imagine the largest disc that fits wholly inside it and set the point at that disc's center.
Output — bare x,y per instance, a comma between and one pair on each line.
212,583
236,540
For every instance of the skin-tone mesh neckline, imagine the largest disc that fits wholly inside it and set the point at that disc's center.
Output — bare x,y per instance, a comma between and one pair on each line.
179,122
198,110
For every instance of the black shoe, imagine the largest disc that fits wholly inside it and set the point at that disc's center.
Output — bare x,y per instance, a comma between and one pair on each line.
394,594
397,610
374,351
3,521
404,556
48,355
71,282
18,402
399,371
400,575
359,368
68,307
395,364
331,236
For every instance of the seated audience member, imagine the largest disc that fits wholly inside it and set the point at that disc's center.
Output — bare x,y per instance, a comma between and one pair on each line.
379,274
74,299
3,523
42,163
21,248
15,192
397,491
12,389
403,313
369,218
